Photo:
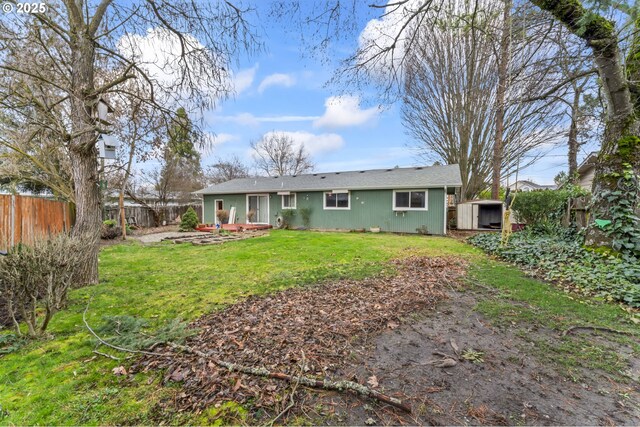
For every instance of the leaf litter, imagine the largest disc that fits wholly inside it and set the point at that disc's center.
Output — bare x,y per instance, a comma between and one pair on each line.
315,331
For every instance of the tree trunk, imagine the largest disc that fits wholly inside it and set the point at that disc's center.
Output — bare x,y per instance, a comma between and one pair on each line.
573,137
620,150
503,70
83,152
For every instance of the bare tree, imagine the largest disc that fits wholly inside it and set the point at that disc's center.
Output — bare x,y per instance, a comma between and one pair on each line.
276,154
225,170
70,42
615,186
450,104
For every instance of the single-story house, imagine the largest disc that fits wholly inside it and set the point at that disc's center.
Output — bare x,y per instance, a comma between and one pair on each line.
526,185
587,171
405,200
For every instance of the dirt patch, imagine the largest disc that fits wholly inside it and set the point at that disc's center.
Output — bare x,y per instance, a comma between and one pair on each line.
505,385
391,333
315,331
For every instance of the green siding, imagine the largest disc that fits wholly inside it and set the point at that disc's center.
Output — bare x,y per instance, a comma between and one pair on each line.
239,201
369,208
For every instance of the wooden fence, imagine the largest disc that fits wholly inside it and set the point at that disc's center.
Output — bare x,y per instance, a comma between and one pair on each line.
25,218
577,212
143,217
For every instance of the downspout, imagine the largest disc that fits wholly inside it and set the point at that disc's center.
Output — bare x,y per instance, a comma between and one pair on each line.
445,211
204,220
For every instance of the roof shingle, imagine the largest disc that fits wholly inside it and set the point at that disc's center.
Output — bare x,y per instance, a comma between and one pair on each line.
416,177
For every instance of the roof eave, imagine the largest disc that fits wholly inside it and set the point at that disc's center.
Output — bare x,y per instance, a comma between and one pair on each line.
299,190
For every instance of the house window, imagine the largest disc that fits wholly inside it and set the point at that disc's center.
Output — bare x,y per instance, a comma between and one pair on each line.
289,201
410,200
337,200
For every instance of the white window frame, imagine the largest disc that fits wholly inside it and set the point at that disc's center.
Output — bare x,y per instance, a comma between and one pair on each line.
336,208
215,209
295,200
426,200
247,207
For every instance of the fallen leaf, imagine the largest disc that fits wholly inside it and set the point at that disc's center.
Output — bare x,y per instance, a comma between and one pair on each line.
373,381
454,346
120,370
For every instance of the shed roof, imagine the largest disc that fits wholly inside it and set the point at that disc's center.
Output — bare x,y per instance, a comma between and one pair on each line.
395,178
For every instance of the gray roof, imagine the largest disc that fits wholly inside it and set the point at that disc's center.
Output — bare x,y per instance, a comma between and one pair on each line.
417,177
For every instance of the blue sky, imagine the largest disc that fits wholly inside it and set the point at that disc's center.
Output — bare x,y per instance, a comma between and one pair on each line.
283,90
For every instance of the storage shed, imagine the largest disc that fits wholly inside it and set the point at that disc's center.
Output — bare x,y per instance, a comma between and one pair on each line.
480,215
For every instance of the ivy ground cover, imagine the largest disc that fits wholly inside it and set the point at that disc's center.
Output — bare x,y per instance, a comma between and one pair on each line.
561,258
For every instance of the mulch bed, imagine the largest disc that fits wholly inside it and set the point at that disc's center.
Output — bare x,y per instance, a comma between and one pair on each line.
315,331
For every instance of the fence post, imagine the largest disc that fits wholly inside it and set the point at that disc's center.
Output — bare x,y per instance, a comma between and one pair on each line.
12,222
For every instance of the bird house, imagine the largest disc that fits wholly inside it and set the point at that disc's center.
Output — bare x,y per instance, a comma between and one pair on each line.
101,111
107,146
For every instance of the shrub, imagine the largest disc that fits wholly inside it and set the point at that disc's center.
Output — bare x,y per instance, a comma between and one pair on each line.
544,208
305,213
562,258
34,280
287,217
540,207
223,216
110,230
189,220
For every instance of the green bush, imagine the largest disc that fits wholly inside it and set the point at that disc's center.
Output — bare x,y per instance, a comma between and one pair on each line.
539,207
189,220
287,217
561,258
305,213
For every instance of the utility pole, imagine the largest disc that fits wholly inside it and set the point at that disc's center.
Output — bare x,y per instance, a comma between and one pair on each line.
503,74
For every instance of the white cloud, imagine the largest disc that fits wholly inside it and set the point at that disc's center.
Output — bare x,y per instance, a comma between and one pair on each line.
277,79
387,33
158,52
243,79
344,111
221,138
313,144
212,141
248,119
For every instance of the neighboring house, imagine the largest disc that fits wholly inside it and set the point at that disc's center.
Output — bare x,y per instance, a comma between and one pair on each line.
397,200
525,185
587,171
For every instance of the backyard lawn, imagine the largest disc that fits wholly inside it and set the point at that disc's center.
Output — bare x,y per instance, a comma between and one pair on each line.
60,380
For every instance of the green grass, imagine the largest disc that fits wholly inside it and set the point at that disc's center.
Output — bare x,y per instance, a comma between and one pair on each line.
520,298
522,302
58,380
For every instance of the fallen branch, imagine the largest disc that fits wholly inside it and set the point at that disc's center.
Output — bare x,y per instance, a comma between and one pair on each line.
595,328
115,347
106,355
306,381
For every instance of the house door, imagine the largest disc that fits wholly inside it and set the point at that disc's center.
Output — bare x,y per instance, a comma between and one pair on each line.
258,206
219,206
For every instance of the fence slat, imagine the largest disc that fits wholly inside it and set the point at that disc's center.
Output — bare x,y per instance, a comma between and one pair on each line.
25,218
144,217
